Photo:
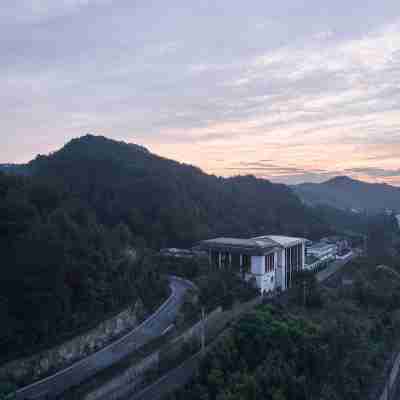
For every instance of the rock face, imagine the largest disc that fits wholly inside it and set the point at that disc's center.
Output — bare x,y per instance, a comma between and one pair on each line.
28,369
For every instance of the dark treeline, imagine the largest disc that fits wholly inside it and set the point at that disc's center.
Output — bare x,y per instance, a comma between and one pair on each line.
382,239
314,343
67,225
331,349
68,221
343,221
61,269
168,203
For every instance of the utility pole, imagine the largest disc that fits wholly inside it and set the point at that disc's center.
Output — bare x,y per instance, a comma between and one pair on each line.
203,331
365,244
389,387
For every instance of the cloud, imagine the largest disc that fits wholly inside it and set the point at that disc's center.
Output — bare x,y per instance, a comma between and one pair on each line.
375,172
306,87
33,11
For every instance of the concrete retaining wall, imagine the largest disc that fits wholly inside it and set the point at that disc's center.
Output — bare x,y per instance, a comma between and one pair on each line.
125,383
390,385
132,377
179,376
41,364
129,382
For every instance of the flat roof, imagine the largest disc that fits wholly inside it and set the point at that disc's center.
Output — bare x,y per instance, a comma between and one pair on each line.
243,246
285,241
260,245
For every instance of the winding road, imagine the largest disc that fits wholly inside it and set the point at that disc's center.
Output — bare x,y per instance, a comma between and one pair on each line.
151,328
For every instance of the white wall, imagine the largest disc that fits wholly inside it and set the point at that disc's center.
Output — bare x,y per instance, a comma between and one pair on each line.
265,281
280,269
258,265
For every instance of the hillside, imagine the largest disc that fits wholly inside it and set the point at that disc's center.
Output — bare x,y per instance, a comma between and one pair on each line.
168,203
346,193
19,169
62,270
333,348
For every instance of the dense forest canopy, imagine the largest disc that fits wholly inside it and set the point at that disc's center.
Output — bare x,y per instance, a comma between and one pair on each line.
61,269
332,349
169,203
67,221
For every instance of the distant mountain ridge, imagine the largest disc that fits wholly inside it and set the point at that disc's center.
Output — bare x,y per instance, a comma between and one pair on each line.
20,169
344,192
167,202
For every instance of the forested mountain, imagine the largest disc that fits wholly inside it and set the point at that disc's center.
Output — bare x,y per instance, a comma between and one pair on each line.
67,220
62,270
346,193
169,203
19,169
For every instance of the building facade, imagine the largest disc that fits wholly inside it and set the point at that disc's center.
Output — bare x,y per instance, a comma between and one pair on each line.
271,261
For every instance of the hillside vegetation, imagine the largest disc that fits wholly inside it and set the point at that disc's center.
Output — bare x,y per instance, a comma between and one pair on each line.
335,348
69,219
169,203
62,270
72,225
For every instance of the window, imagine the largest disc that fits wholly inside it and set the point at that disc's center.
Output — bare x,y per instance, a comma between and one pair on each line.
225,260
246,263
294,262
215,259
235,261
269,263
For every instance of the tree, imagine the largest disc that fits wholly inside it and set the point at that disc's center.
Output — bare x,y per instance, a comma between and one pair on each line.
7,391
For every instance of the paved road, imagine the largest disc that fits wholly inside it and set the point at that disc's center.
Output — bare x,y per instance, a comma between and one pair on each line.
170,382
77,373
179,376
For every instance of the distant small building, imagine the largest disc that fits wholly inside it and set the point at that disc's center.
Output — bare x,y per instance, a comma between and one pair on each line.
342,243
271,261
178,253
323,251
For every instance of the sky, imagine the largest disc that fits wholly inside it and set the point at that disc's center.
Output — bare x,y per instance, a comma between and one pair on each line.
289,90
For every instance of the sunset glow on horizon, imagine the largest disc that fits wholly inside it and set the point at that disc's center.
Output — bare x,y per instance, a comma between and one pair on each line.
288,92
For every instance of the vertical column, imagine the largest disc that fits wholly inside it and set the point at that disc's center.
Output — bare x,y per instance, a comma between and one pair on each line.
290,266
282,255
219,260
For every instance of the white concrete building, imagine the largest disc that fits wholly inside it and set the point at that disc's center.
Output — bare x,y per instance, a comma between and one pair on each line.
270,260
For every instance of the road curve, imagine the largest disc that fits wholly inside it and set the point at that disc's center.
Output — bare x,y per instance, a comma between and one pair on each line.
152,327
